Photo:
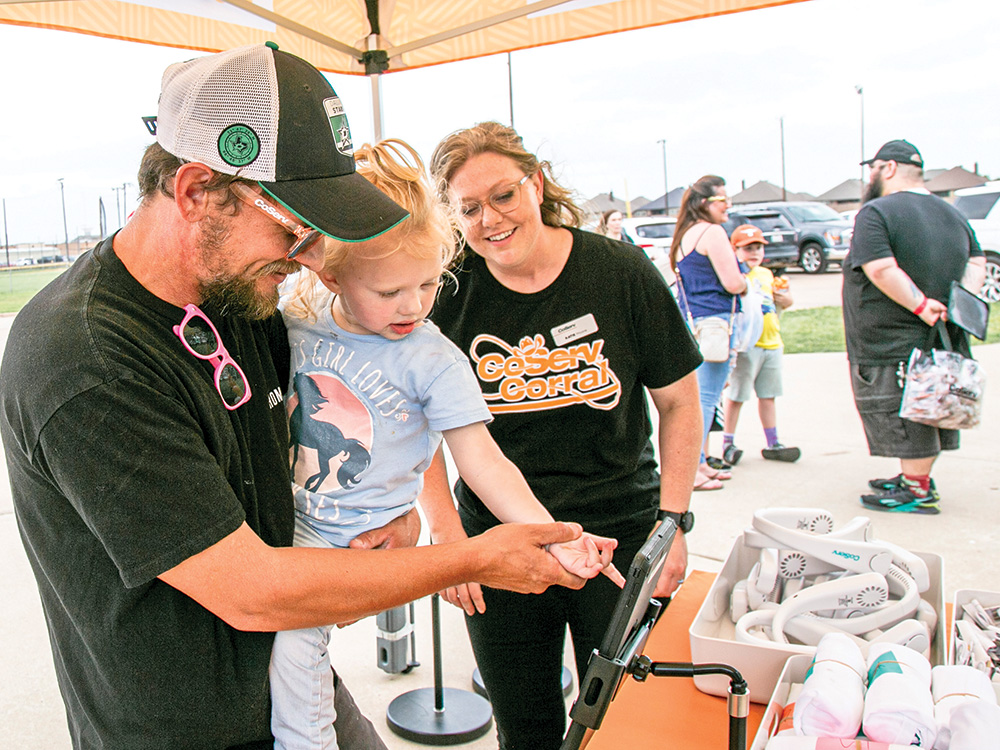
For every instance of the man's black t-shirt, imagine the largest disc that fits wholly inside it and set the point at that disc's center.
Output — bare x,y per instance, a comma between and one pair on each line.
124,463
932,242
563,372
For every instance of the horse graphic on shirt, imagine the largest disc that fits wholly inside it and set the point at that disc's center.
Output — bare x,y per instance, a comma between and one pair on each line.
324,410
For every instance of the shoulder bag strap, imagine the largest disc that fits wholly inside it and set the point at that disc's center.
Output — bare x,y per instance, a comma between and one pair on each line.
687,307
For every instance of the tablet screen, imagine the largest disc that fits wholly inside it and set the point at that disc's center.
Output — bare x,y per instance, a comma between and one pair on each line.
968,311
640,582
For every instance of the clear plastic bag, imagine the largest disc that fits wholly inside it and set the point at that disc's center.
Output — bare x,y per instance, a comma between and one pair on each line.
943,389
748,323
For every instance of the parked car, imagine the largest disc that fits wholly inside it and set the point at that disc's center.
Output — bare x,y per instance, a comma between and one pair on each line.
781,249
849,215
981,206
653,234
821,235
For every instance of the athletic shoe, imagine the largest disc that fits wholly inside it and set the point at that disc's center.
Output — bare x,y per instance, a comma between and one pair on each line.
717,463
779,452
893,483
902,500
732,455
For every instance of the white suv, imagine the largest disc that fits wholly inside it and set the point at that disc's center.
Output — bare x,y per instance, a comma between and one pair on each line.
654,235
981,206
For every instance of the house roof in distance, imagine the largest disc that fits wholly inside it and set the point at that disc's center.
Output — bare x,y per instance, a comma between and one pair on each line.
848,190
945,181
763,191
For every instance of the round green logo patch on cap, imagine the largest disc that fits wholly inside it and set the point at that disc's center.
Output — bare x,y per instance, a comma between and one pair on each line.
238,145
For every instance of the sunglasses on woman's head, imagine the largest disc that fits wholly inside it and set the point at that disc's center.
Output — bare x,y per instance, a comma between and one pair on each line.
201,339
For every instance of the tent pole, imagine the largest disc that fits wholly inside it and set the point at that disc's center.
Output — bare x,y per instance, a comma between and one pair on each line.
376,61
377,122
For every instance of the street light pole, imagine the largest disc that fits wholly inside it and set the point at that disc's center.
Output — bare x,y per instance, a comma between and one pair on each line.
510,90
6,245
62,190
666,189
784,194
861,93
118,207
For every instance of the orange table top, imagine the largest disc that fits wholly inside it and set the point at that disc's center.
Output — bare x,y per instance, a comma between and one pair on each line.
671,712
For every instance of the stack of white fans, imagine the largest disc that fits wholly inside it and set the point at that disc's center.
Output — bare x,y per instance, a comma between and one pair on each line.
812,579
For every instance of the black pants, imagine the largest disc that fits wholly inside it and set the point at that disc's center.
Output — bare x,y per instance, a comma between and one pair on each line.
518,643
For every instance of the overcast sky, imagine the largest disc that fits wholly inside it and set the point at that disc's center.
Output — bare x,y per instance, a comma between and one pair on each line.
715,90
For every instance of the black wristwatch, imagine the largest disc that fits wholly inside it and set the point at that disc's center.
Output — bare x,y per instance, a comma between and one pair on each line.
684,521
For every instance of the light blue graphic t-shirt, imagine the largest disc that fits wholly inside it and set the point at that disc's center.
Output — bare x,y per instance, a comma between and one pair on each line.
366,416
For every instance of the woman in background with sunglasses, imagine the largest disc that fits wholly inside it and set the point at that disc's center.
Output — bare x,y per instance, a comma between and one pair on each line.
709,280
566,331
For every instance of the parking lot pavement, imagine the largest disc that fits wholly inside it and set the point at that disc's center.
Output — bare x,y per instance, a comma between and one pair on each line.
816,413
815,290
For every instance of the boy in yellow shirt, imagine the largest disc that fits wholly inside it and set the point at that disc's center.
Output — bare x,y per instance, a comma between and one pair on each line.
759,369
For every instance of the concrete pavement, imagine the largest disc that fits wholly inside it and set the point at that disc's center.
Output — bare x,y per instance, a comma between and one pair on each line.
817,414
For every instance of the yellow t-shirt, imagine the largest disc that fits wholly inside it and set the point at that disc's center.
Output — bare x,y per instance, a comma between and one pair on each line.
763,281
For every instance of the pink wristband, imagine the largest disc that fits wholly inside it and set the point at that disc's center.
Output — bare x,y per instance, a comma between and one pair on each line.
920,308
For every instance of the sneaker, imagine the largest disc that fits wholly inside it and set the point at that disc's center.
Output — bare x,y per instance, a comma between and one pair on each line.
779,452
893,483
902,500
732,455
717,463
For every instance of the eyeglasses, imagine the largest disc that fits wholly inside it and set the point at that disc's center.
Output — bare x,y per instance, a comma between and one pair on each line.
503,201
305,237
202,339
719,199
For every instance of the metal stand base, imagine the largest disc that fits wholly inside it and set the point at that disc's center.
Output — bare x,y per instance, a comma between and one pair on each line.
420,715
479,687
413,717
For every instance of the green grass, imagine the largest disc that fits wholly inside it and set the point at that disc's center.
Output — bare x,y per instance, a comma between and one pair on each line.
18,285
816,329
821,329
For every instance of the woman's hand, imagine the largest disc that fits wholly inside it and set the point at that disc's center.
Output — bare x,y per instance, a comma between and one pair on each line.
588,556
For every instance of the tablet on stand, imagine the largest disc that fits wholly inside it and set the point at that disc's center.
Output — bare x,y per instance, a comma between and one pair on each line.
621,651
625,637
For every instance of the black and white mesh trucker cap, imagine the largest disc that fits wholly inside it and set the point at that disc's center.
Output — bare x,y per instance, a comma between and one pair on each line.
269,116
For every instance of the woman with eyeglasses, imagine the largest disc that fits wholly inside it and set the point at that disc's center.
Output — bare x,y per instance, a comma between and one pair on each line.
567,331
709,284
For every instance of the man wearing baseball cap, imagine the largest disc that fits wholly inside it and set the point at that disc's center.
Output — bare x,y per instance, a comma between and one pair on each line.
908,247
146,438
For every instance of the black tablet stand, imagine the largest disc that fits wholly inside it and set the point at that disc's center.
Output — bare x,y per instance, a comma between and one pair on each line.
604,677
421,715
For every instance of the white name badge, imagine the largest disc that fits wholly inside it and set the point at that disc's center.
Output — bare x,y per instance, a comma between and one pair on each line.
574,329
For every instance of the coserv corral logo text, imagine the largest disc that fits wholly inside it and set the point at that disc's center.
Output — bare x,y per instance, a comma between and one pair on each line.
532,377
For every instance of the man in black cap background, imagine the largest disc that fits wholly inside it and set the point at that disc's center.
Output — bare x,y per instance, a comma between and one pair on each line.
146,438
908,247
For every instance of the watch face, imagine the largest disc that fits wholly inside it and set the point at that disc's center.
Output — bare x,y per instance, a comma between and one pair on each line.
686,522
683,521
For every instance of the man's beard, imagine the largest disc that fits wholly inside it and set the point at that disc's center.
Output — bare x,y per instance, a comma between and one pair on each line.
874,189
230,293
